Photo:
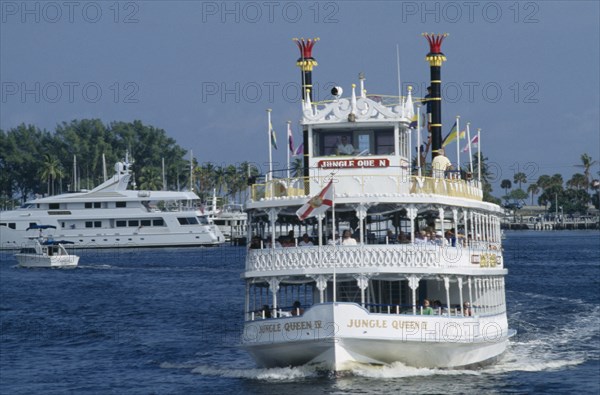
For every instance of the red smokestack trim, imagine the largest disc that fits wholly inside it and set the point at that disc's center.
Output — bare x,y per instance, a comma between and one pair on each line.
435,42
306,47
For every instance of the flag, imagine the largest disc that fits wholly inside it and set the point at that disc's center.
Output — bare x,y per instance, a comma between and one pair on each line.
299,150
450,137
415,120
473,143
317,204
273,137
290,139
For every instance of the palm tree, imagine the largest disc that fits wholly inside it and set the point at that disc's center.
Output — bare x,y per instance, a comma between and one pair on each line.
506,184
587,164
51,169
578,181
520,178
151,179
534,189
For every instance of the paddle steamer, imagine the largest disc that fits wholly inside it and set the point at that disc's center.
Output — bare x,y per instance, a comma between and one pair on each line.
391,295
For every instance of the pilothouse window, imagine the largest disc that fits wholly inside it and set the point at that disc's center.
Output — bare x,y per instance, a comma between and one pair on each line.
343,142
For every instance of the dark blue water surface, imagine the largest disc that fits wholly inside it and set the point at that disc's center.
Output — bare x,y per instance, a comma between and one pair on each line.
167,321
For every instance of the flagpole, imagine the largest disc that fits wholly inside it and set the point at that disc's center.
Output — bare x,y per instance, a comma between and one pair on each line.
419,139
333,238
270,177
479,156
458,146
469,146
289,128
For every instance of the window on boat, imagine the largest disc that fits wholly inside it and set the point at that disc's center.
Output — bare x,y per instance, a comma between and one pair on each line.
377,141
188,220
134,222
158,222
89,224
146,222
53,206
88,205
12,225
121,224
203,220
32,224
97,224
120,204
219,222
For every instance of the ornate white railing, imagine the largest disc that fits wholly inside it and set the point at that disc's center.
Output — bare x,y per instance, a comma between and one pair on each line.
370,256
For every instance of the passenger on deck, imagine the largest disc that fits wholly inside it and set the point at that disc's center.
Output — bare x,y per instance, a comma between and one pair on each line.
420,237
403,238
305,242
467,312
440,164
390,237
266,311
277,243
297,308
347,239
255,244
427,310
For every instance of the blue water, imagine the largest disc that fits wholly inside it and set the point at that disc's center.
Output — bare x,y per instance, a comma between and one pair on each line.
166,321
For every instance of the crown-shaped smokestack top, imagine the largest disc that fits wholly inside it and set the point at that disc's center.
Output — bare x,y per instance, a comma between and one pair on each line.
435,42
306,62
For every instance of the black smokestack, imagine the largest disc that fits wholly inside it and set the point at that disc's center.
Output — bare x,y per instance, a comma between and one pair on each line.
306,63
435,57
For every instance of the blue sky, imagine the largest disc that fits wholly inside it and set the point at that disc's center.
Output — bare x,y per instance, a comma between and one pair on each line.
526,73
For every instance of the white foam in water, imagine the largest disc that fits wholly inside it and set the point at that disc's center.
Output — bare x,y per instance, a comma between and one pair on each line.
273,374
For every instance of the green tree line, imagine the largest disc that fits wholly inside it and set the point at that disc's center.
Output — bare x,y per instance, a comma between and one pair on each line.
40,162
574,195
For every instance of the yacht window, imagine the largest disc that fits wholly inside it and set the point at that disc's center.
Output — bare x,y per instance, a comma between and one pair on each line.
2,224
88,205
120,204
53,206
12,225
97,204
89,224
121,224
219,221
97,224
158,222
203,220
134,222
146,222
188,221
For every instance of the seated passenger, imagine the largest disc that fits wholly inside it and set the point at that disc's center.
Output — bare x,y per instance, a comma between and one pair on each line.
390,237
403,238
345,148
305,242
347,239
427,310
467,312
297,309
420,237
266,311
255,244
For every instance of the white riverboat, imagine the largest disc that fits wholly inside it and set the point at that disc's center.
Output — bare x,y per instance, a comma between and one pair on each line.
44,252
111,216
436,301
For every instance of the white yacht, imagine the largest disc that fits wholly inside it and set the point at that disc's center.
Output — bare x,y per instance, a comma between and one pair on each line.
111,216
435,301
231,220
44,252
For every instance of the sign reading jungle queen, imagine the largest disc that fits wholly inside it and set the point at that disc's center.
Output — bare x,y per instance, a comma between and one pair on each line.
353,163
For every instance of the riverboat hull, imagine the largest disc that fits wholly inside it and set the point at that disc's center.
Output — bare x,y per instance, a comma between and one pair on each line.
337,336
